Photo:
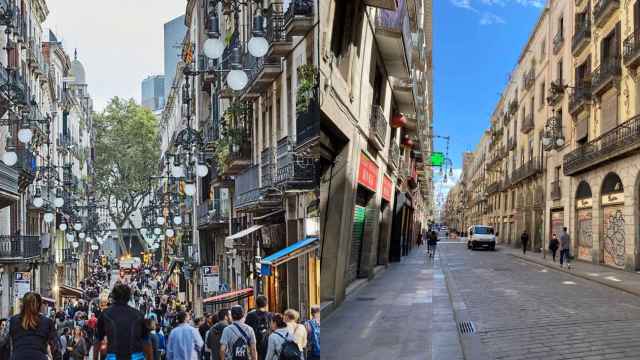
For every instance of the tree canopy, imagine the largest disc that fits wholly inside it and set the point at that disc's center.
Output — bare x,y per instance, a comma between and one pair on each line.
127,153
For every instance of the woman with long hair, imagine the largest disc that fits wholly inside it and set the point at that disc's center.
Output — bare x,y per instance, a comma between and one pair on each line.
31,332
78,347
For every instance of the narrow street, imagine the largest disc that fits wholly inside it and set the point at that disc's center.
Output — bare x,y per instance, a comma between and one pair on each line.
520,310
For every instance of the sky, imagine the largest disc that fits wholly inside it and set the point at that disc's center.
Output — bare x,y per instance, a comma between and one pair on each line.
119,42
476,45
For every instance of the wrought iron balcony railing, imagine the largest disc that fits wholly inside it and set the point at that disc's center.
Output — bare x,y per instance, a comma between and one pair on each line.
527,123
604,75
580,97
631,49
603,9
556,192
308,124
558,40
581,36
378,125
268,167
69,255
394,154
527,170
294,170
298,8
19,246
615,143
26,162
556,92
494,187
513,106
213,212
247,187
529,78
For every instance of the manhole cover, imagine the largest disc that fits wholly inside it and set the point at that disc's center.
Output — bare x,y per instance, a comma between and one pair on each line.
364,298
466,327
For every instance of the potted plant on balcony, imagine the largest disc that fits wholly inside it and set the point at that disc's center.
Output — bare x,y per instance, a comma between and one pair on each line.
306,85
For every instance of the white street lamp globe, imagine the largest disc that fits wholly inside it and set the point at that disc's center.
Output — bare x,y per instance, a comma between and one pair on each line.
177,219
48,217
202,170
160,220
560,141
170,232
75,244
62,227
38,202
213,48
177,171
161,237
258,46
10,158
58,202
94,247
546,141
89,240
82,235
149,240
190,189
77,226
143,231
157,231
25,135
237,79
70,237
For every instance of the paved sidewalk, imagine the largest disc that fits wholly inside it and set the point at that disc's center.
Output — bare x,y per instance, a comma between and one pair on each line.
617,279
403,314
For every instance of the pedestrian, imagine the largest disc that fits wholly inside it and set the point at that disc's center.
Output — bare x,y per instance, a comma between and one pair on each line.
524,239
565,245
30,332
65,340
278,338
313,334
260,321
204,326
162,344
153,338
553,246
123,327
238,341
212,339
298,331
5,346
432,243
78,348
185,341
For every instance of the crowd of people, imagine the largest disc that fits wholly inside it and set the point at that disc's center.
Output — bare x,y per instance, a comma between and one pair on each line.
137,320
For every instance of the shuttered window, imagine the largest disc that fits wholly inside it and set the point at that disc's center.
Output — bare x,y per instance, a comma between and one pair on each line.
582,126
609,111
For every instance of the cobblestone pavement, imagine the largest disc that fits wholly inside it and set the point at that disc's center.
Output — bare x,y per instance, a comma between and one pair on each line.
522,310
403,314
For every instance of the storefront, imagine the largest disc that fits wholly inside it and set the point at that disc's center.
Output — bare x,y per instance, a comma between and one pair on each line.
613,222
584,223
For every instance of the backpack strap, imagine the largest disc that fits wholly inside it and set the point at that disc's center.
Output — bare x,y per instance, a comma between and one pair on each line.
244,334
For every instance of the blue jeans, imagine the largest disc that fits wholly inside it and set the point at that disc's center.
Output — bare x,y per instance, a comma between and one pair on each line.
134,356
564,255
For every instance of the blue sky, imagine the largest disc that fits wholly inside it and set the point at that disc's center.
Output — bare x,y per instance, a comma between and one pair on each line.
476,45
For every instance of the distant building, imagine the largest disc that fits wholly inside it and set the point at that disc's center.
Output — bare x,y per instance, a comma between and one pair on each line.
174,32
153,92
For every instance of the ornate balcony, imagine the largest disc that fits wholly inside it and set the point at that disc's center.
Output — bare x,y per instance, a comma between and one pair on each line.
513,106
377,127
631,50
581,36
603,9
299,17
261,73
295,171
212,213
580,99
605,75
239,157
393,34
268,167
556,92
69,256
8,185
558,40
308,124
280,43
247,188
556,191
511,144
529,78
394,155
19,247
616,143
506,118
494,187
527,170
527,123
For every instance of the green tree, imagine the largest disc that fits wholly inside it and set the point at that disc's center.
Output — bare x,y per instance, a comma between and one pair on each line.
127,153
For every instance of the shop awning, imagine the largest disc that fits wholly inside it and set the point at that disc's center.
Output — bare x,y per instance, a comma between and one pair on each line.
231,296
69,291
257,218
228,241
48,300
290,252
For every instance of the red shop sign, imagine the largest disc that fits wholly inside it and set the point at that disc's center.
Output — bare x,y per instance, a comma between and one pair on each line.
367,173
387,188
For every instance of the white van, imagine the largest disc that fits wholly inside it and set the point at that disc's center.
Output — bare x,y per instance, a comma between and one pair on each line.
481,236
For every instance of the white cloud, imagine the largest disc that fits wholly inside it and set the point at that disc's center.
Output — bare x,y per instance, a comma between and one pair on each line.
120,42
465,4
488,18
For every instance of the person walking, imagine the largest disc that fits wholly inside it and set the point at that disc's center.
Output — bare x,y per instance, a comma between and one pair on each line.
238,341
5,346
432,243
278,337
565,245
185,341
153,338
212,339
260,321
313,334
65,340
78,348
524,239
30,332
298,331
553,246
122,328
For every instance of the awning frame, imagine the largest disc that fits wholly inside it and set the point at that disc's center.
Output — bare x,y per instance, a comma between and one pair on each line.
228,297
289,253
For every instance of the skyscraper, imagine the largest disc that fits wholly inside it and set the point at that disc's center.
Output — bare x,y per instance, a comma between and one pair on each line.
174,32
153,92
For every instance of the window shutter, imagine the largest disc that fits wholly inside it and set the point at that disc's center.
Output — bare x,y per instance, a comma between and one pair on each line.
609,111
582,126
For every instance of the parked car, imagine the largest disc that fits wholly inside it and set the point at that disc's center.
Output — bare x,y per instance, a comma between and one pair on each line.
481,236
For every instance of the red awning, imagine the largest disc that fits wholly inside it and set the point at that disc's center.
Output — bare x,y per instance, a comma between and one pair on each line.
229,297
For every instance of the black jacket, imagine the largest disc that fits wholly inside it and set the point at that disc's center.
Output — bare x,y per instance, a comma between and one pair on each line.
124,328
32,344
524,237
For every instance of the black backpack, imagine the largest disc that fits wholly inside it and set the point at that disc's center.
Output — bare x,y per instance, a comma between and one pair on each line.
213,339
289,349
263,330
240,348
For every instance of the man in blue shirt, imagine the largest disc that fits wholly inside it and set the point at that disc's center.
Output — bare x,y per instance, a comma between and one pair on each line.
185,341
